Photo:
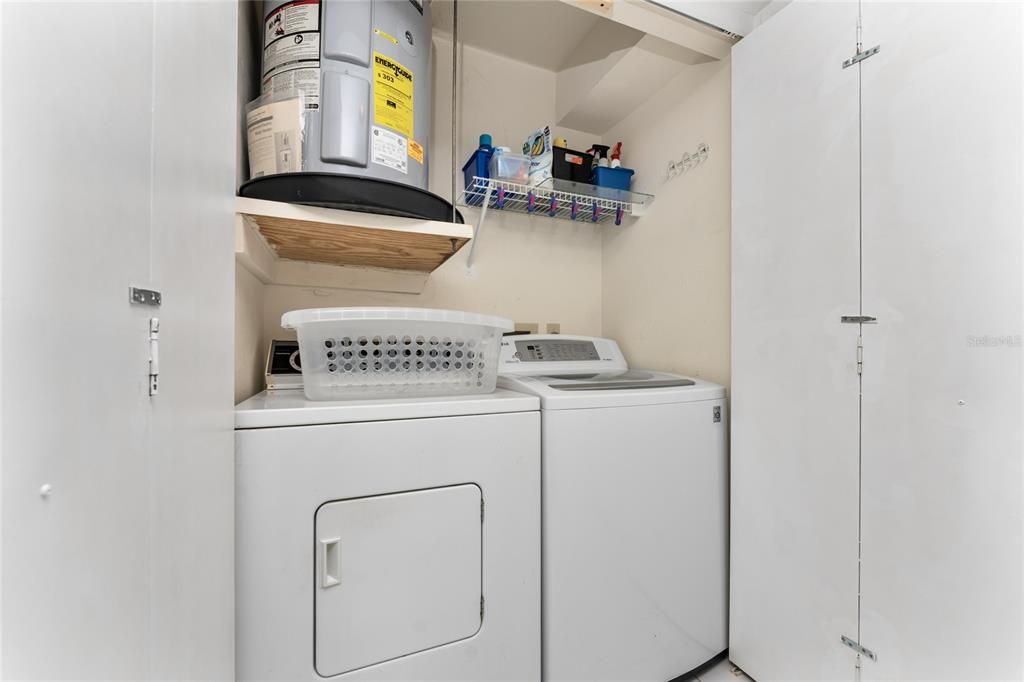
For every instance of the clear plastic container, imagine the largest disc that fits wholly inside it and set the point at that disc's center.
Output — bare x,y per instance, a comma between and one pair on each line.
361,353
505,165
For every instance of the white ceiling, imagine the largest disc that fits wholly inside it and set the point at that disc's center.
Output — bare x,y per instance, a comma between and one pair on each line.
735,16
516,29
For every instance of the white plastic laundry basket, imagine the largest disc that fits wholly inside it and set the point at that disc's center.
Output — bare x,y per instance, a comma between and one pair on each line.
395,352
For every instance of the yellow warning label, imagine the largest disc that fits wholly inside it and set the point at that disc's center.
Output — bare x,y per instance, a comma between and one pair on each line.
387,36
392,95
416,150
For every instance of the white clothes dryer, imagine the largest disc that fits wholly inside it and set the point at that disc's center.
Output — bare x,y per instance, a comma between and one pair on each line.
388,539
634,508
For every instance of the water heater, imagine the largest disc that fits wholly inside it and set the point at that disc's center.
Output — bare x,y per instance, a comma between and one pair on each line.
363,69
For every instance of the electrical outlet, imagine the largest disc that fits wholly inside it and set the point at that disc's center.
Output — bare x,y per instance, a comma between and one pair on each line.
528,327
553,328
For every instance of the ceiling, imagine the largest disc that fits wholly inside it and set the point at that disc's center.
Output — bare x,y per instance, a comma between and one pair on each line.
734,16
511,28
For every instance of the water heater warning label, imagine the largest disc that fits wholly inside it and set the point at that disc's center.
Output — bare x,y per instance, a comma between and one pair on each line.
389,150
291,50
392,95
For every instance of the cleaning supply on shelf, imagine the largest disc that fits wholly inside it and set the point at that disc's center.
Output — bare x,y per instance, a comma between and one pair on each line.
609,171
538,147
600,152
616,155
614,178
478,166
508,166
569,164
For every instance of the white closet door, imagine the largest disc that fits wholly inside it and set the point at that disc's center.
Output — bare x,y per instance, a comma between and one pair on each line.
192,444
942,516
795,387
118,154
76,210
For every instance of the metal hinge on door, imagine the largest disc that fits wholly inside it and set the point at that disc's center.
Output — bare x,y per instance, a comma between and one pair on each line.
861,56
859,319
859,648
154,355
150,297
481,511
861,53
481,607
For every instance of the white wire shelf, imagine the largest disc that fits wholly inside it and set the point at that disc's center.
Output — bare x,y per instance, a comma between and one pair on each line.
561,199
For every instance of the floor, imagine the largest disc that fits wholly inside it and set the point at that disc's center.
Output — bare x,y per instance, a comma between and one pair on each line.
723,671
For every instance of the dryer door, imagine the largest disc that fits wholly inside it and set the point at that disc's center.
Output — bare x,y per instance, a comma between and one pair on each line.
396,574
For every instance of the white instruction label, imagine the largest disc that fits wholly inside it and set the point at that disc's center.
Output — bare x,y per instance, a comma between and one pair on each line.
291,50
275,138
390,149
296,77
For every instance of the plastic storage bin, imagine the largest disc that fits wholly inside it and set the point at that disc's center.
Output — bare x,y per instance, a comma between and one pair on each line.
616,178
569,164
507,166
395,352
477,166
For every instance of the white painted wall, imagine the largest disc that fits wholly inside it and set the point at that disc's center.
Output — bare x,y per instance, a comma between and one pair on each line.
666,275
250,347
1,334
527,269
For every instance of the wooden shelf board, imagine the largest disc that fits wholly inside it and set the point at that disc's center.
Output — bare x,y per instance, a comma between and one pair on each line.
347,238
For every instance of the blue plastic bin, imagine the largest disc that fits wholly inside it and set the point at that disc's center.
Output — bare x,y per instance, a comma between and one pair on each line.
616,178
476,166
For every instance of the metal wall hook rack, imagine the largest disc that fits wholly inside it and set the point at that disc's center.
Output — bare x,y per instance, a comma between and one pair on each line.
689,161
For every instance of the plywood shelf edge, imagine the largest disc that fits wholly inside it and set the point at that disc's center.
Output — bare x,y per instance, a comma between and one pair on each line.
308,246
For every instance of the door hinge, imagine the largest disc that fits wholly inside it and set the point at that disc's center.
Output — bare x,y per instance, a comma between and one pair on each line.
858,319
716,414
861,56
154,355
481,510
144,296
859,648
481,607
860,355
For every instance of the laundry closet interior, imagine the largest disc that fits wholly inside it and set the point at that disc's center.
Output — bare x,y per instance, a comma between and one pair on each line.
568,339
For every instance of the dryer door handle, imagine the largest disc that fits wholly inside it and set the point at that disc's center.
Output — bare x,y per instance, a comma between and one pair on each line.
330,563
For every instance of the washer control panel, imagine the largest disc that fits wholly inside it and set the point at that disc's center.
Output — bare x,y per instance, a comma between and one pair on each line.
551,350
559,354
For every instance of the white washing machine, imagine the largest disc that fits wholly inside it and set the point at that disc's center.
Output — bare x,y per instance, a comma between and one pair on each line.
634,507
388,539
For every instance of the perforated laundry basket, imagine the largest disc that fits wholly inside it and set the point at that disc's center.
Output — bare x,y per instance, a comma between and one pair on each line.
396,352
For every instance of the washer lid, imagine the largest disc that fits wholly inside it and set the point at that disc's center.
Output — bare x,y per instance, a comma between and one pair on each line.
615,381
290,408
612,389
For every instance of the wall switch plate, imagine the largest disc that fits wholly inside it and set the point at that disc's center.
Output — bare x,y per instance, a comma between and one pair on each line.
528,327
553,328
